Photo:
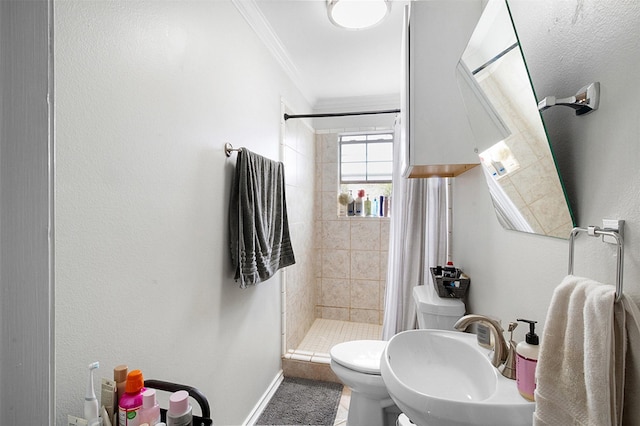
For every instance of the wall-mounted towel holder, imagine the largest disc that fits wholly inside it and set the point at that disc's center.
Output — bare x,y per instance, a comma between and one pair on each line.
228,148
586,100
595,231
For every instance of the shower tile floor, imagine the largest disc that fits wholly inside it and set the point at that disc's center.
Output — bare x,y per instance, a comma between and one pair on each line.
325,333
317,343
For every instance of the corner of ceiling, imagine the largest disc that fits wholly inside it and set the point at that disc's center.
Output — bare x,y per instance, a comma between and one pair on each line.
257,21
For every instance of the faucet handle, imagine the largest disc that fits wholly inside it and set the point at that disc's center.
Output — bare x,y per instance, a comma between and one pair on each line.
509,370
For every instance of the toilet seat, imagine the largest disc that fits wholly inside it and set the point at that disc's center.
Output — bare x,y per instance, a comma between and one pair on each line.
359,355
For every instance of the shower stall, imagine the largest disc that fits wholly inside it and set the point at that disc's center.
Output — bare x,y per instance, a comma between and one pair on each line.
335,290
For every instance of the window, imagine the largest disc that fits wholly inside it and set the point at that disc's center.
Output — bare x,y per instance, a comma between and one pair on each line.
366,158
366,166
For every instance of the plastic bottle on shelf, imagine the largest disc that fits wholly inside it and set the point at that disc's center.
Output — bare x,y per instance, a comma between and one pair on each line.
179,412
449,271
367,206
150,411
351,207
131,402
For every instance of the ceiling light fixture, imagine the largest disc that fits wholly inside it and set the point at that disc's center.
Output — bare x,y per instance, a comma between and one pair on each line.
357,14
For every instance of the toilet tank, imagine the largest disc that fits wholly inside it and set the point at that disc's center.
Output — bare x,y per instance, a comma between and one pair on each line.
434,311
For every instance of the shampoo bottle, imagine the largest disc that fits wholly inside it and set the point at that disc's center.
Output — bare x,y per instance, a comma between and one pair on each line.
367,206
359,203
179,412
351,207
131,402
526,361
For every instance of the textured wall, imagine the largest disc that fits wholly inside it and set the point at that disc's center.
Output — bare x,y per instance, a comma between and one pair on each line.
567,44
149,92
26,337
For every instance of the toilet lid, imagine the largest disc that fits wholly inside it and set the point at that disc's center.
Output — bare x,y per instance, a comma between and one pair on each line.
359,355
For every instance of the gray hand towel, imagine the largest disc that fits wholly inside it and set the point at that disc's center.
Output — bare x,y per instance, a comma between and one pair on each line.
258,224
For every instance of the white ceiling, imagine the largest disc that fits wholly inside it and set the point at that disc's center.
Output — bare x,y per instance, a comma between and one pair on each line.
330,65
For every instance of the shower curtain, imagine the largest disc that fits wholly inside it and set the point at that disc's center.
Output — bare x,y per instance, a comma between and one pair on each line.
418,240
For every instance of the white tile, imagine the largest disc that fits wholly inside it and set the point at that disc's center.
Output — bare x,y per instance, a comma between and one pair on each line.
298,357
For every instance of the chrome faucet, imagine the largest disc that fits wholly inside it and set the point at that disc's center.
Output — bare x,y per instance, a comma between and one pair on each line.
501,351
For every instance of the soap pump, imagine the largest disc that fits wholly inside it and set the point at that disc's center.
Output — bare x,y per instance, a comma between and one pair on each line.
526,361
90,400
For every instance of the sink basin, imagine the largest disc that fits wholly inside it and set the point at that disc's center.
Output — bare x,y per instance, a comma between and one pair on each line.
444,378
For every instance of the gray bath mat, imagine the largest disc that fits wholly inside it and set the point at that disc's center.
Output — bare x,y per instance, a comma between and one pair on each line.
302,402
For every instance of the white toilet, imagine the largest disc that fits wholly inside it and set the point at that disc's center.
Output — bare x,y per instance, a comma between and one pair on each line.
435,311
357,363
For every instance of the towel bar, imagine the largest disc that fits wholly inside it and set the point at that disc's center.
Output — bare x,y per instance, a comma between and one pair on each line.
594,231
228,148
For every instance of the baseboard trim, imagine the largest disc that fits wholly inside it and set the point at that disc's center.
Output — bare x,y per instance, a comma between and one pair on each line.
264,400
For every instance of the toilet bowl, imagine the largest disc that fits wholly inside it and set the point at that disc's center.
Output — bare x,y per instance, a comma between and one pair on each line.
357,365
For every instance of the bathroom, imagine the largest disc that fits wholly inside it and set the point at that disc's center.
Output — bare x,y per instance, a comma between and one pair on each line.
144,101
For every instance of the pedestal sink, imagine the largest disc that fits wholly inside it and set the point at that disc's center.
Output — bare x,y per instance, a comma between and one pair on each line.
444,378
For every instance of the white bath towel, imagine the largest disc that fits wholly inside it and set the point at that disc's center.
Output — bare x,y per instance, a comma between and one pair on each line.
576,373
631,407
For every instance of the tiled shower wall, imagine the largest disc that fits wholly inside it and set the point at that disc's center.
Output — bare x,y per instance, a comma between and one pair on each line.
299,291
351,252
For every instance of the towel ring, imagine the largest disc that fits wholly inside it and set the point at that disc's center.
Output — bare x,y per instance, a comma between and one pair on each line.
594,231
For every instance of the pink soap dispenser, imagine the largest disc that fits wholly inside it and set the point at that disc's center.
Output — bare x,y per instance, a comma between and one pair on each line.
526,362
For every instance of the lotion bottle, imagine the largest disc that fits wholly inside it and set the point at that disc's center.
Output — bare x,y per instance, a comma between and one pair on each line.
150,411
179,412
526,361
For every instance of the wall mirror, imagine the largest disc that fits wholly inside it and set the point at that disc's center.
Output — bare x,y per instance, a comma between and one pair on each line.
509,135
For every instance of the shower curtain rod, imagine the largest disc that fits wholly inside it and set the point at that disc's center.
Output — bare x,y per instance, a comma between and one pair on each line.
340,114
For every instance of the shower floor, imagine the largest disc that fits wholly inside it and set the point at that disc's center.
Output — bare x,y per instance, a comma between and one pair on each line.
325,333
311,359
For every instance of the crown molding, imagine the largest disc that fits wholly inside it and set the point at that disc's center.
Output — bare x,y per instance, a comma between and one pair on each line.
256,20
356,103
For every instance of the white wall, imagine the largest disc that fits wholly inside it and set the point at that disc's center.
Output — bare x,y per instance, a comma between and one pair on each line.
567,44
26,337
148,93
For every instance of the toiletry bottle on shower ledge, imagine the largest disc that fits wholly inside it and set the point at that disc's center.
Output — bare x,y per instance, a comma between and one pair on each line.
359,207
351,208
367,206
